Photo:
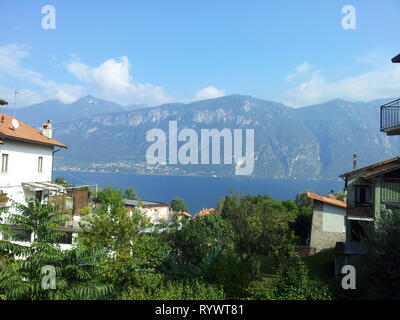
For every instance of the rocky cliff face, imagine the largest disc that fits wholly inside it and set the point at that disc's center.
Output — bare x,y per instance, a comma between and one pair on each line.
310,142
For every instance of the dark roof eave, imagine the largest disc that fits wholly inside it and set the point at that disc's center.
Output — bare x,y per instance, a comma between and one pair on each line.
396,59
33,141
369,167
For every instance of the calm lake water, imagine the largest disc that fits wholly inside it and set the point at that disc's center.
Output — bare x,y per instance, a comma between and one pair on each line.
199,192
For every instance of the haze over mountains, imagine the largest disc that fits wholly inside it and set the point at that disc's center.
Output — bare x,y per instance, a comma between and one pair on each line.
310,142
60,112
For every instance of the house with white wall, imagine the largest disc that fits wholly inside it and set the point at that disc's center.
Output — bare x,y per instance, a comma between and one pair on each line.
26,163
157,212
328,222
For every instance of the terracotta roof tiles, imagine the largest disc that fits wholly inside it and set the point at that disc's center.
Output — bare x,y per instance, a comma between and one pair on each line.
334,202
24,133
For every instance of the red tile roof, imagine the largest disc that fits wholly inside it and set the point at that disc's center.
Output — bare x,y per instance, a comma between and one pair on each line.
24,133
183,213
326,199
204,212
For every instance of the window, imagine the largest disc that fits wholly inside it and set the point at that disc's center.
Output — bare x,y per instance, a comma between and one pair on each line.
17,234
39,196
66,238
40,164
4,162
363,195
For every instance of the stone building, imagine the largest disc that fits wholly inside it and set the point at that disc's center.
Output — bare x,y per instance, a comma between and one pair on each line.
328,222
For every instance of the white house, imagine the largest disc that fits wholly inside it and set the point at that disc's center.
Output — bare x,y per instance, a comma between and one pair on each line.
26,159
157,212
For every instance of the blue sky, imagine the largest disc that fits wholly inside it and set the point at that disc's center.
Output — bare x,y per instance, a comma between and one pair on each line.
130,52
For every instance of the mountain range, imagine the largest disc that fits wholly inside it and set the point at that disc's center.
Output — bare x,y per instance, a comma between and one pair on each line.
59,112
310,142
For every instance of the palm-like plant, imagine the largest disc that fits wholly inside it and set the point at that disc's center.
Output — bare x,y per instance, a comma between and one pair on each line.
40,219
76,269
77,274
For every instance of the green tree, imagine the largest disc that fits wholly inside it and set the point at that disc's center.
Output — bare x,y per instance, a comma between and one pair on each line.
109,198
260,226
131,252
76,272
60,180
41,220
302,200
302,222
292,282
378,272
178,205
196,245
129,193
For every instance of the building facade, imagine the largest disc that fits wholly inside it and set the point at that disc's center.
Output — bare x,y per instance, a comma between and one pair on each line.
328,222
157,212
369,190
26,159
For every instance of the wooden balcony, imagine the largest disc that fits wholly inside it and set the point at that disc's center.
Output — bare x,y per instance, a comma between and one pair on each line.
360,212
72,201
3,200
390,118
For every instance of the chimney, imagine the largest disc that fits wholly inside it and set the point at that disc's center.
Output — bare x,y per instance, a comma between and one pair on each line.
354,161
331,194
47,129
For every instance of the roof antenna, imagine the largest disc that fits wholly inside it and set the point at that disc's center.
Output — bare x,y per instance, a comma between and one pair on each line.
15,101
354,161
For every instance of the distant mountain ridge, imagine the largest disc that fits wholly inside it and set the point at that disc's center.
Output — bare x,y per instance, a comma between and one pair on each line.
58,112
308,143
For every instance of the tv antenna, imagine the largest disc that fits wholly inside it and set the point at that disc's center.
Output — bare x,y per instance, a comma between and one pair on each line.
15,101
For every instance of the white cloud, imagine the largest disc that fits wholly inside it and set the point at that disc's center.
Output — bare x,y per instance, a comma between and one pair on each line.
380,83
209,93
112,80
299,71
11,57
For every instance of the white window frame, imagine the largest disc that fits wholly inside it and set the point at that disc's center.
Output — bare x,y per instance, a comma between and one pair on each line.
40,164
4,162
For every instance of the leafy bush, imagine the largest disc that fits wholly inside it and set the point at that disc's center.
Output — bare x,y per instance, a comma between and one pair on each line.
378,272
174,290
291,283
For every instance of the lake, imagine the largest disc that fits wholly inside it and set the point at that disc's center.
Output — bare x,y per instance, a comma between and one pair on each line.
199,192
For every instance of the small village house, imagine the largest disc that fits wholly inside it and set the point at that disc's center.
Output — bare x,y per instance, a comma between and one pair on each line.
328,222
204,212
27,157
157,212
368,190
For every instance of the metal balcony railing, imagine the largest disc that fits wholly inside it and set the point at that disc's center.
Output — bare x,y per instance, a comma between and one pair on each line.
390,115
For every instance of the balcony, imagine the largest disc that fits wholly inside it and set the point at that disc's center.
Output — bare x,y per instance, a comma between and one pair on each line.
360,212
390,118
3,200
